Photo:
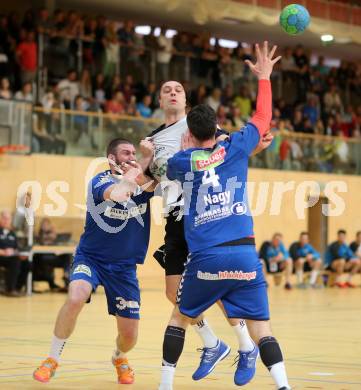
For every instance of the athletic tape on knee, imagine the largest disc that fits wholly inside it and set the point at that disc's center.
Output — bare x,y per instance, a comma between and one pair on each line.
270,351
172,345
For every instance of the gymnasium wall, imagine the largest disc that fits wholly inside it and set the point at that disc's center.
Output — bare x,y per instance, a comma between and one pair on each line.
65,176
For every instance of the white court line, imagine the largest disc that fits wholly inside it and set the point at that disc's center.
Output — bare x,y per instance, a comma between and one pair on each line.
321,373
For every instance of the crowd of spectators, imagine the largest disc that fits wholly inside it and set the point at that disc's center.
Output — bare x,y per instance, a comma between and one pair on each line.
310,96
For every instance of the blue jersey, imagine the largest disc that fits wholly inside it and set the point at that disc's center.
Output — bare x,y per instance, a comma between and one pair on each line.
214,186
338,251
115,232
297,251
273,251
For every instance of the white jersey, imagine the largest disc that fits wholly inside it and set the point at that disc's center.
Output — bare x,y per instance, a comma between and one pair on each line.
167,142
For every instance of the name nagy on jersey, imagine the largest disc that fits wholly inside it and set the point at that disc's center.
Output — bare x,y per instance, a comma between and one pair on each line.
221,198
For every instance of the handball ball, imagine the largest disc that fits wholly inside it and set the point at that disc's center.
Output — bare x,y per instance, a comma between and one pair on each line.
294,19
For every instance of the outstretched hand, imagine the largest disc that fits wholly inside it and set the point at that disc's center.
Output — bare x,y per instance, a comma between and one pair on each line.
265,61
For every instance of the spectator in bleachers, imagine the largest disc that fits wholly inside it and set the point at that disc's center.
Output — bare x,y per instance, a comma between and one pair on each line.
310,110
198,95
112,52
68,89
339,258
26,93
332,101
305,258
117,104
44,264
99,90
164,55
355,246
214,99
303,72
43,138
278,259
5,91
222,117
298,122
85,85
27,53
16,269
244,103
80,121
321,67
144,107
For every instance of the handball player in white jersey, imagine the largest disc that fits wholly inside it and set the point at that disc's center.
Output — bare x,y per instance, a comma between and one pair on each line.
173,255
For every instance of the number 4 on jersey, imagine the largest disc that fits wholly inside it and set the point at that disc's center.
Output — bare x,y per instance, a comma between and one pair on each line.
210,177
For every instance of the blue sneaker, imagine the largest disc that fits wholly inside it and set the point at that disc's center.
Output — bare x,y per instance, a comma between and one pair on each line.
210,357
246,366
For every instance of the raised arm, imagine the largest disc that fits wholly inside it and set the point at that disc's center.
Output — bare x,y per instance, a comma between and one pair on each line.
263,69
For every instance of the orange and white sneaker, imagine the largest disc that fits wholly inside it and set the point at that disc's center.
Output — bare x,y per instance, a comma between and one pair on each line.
46,371
124,371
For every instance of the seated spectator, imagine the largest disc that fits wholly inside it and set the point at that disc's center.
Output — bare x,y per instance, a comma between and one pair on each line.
298,122
5,91
99,90
144,107
68,88
85,85
116,105
355,246
80,121
310,110
222,118
278,260
332,101
26,93
45,263
198,96
16,268
43,140
305,258
340,258
244,102
214,100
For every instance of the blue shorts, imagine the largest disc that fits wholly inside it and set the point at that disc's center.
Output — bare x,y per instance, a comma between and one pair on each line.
232,274
119,281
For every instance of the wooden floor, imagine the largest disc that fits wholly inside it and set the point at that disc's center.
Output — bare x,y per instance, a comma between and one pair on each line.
320,333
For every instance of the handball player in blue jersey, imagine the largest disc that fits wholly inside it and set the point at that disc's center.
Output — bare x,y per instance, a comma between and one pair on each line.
114,241
223,262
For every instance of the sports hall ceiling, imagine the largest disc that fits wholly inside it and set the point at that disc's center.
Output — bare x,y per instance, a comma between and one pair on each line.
177,15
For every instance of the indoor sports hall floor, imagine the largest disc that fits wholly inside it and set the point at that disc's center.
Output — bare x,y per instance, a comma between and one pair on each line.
320,332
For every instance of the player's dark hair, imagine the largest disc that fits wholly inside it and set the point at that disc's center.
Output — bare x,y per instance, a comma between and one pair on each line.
341,231
304,234
277,235
202,122
113,144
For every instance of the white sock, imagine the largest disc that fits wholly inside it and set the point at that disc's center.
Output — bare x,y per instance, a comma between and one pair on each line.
245,342
57,346
313,277
299,274
349,277
167,377
205,332
278,373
